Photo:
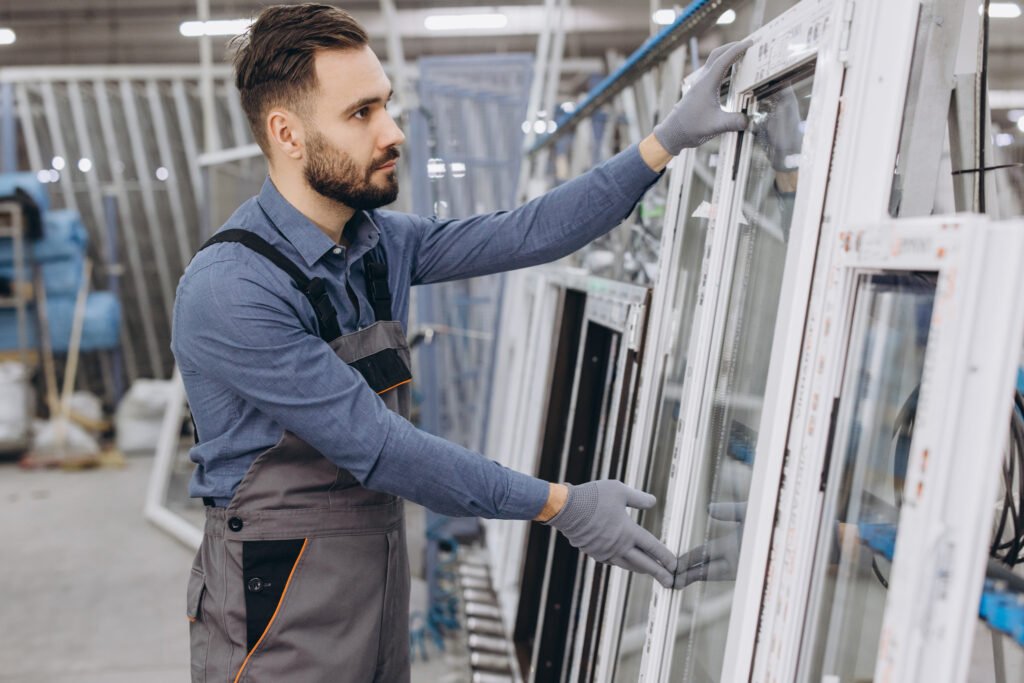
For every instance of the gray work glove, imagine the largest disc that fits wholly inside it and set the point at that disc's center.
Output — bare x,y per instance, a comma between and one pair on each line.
778,130
699,116
595,520
718,559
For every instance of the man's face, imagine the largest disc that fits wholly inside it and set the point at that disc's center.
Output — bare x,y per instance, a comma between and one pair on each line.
351,142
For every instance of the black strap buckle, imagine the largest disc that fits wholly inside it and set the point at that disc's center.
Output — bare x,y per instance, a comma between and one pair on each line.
327,316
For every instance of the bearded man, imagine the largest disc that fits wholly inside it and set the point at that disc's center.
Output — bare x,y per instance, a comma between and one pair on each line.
289,333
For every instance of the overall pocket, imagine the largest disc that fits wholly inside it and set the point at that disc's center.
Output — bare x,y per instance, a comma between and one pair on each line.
199,632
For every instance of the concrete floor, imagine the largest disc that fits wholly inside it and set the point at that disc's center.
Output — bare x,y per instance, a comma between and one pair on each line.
95,594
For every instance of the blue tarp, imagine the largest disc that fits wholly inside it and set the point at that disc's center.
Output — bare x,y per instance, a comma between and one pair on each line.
100,330
59,253
28,182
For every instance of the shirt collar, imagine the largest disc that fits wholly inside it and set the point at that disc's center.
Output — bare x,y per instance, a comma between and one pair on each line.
362,234
309,240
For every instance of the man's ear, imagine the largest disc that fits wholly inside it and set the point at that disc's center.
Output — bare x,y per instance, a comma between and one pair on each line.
286,132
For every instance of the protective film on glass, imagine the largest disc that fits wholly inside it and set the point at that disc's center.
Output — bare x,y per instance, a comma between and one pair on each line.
694,216
727,455
875,422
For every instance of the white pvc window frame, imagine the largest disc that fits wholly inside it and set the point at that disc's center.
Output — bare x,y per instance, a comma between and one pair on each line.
630,323
946,524
622,309
155,509
968,377
809,32
530,325
651,376
880,48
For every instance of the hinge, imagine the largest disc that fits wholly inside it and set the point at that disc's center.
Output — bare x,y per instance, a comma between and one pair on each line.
633,327
845,29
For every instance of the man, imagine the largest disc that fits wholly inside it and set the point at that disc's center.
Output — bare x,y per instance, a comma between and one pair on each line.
289,335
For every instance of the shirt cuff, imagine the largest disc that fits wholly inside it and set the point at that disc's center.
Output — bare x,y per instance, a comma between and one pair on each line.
527,496
632,175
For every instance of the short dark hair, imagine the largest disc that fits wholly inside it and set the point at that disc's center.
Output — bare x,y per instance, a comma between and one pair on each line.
274,57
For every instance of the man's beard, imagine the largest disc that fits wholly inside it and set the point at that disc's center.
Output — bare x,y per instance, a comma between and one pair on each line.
333,174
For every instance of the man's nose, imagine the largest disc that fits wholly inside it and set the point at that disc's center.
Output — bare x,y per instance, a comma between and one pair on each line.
392,135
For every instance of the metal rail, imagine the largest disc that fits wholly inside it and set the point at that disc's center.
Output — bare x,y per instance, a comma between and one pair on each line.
691,20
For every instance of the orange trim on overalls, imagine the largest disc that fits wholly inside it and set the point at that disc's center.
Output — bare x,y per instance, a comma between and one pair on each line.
395,386
280,602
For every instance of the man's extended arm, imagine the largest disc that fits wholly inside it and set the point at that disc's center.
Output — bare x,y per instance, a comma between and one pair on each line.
581,210
242,333
542,230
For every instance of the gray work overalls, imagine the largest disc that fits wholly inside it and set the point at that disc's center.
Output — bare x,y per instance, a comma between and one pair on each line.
304,576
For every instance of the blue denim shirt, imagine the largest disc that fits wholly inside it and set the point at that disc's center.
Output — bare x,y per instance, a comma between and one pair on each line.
246,342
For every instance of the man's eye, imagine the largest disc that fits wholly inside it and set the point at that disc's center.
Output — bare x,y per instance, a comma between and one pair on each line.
362,113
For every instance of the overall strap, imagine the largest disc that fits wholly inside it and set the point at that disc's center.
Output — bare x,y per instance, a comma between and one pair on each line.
375,264
314,288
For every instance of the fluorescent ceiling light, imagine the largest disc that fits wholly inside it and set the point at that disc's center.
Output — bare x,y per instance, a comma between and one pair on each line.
728,16
465,22
1001,10
664,17
7,36
219,27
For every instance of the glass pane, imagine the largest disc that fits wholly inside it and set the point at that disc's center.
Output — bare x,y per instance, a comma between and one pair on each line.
723,475
691,255
876,416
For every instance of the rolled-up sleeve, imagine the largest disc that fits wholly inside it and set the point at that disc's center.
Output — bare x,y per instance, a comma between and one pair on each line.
542,230
246,336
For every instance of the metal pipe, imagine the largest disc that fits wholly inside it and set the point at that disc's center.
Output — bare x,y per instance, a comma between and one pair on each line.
126,219
154,225
124,356
188,138
691,20
163,145
239,128
57,143
211,136
8,142
555,64
28,128
533,103
396,55
104,224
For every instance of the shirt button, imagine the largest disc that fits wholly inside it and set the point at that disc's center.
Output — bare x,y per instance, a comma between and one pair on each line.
235,524
256,584
337,250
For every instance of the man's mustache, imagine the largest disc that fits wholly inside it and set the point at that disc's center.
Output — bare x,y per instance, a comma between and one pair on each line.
388,156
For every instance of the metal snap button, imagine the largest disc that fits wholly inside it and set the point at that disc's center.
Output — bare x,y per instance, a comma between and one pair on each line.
337,250
256,584
235,524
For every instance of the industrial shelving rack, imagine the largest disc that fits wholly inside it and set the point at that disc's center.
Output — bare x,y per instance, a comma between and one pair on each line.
12,227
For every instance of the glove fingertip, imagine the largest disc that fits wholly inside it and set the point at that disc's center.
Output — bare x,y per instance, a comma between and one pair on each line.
736,121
